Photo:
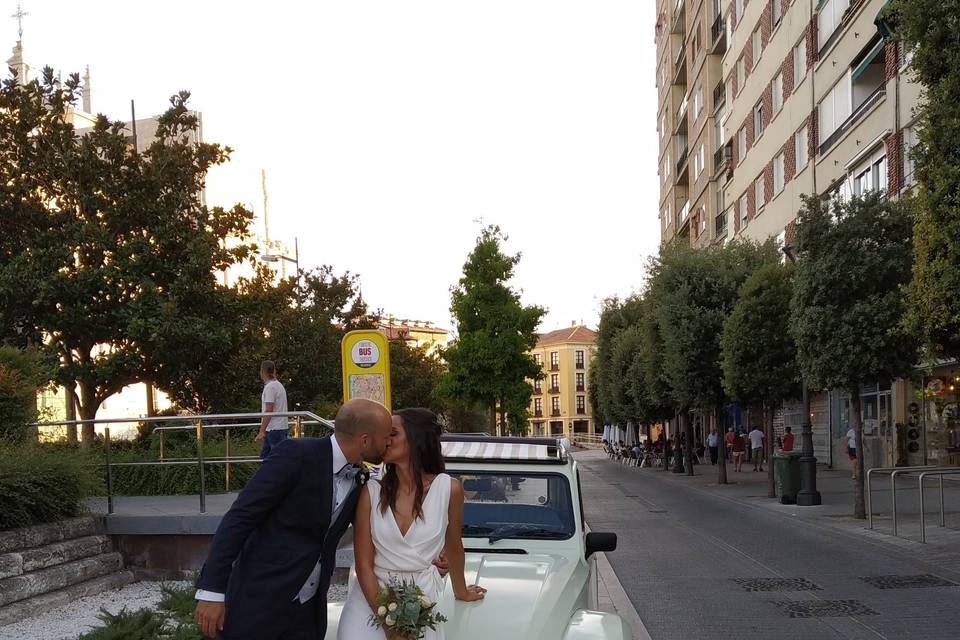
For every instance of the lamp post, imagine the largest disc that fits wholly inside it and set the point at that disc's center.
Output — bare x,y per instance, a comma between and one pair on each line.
808,495
276,257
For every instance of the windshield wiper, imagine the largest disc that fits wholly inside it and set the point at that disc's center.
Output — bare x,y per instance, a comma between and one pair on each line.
526,531
472,530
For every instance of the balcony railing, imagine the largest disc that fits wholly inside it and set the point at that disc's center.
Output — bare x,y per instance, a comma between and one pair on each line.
538,413
537,391
555,413
579,364
682,158
581,411
581,387
684,212
718,37
553,390
555,367
719,97
858,113
720,228
679,23
722,158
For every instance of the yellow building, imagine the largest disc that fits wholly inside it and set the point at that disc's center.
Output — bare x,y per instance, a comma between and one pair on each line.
416,333
560,403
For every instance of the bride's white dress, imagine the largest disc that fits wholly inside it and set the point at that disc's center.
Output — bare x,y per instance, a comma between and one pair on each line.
404,557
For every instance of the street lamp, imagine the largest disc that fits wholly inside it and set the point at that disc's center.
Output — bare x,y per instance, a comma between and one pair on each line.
808,495
276,257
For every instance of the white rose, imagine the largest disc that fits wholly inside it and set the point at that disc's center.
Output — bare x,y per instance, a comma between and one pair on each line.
424,602
392,607
382,610
389,621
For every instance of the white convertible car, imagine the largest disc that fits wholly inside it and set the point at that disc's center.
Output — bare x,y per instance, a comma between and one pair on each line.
524,536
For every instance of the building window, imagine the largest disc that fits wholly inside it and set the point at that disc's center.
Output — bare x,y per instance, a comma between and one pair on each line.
759,193
663,125
555,356
778,174
799,61
742,205
909,164
757,45
870,175
696,41
581,386
698,159
538,358
741,144
741,75
834,109
757,120
697,102
554,382
666,166
578,360
666,215
776,89
776,12
800,148
581,404
829,16
555,405
538,406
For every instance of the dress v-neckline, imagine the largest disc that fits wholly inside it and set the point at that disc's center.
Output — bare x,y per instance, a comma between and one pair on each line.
426,495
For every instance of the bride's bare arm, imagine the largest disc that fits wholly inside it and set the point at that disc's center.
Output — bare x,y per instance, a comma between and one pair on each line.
363,550
453,546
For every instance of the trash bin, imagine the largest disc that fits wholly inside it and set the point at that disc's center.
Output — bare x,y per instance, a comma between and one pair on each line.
786,471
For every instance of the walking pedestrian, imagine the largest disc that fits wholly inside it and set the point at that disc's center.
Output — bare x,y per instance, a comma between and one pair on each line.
756,446
713,443
852,450
729,439
738,446
787,439
273,400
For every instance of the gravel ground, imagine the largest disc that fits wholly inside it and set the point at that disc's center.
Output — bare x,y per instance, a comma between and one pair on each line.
68,622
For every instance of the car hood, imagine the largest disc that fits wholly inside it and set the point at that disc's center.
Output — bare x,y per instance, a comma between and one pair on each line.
529,596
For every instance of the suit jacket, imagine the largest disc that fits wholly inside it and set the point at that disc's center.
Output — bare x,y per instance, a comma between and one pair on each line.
269,542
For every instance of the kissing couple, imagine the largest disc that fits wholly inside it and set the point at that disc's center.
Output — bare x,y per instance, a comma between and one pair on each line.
268,570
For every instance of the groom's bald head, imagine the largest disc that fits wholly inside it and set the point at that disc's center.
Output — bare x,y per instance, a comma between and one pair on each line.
366,424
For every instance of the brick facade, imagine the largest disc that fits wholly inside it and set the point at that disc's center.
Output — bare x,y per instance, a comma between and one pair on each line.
894,144
812,52
768,182
789,160
813,135
891,61
788,80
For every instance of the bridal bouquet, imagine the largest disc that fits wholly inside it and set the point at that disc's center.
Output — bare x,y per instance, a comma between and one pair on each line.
404,610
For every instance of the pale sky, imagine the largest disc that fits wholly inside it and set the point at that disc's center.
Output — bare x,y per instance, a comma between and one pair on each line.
388,128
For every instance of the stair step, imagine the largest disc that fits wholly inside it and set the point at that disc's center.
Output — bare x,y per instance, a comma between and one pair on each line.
30,537
52,578
42,603
20,562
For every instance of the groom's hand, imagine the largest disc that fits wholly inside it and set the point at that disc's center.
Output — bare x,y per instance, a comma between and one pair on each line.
209,617
441,564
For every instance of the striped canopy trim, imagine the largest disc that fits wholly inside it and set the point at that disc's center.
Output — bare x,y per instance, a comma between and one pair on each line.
499,451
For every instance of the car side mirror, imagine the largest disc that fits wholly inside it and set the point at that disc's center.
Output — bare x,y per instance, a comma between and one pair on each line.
602,542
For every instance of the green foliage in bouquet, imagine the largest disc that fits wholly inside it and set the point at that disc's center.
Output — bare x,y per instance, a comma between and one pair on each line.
405,610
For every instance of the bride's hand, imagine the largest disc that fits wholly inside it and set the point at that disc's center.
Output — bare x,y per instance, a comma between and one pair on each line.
472,594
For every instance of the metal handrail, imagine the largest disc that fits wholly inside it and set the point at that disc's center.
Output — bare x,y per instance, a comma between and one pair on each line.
893,471
944,471
196,423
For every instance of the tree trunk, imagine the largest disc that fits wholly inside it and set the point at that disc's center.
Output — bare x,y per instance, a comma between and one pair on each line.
771,483
88,411
70,408
493,417
722,451
859,511
688,452
503,421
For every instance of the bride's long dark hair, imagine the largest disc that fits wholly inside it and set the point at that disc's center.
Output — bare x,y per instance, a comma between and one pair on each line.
423,441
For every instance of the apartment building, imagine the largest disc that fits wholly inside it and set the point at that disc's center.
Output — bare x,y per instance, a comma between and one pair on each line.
763,101
560,405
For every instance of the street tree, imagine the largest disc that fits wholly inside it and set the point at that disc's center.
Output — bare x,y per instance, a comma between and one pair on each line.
490,361
106,249
694,291
930,31
759,355
415,373
849,300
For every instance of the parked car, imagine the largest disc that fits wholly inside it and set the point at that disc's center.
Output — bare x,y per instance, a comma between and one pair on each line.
524,536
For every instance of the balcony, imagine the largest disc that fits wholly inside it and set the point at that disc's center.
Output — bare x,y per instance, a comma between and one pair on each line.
720,225
538,413
682,152
679,24
581,411
680,66
553,390
579,364
537,390
684,214
555,366
858,113
719,98
722,158
718,37
581,387
555,413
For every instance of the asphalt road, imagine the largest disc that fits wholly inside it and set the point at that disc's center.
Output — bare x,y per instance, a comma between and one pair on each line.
700,565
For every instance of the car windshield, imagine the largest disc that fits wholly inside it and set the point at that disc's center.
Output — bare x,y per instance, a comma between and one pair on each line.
500,506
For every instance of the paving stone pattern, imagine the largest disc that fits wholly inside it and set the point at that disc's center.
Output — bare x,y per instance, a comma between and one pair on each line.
683,546
907,582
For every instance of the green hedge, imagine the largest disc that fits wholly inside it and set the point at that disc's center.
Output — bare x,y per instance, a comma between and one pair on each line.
172,620
43,483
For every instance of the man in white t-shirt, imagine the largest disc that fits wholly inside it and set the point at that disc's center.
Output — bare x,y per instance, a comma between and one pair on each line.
272,400
756,444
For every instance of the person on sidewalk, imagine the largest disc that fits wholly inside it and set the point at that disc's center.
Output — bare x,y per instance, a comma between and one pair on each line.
852,450
273,431
729,438
787,439
738,447
713,443
756,446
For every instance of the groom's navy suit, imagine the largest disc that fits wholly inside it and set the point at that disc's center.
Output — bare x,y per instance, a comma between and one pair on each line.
269,542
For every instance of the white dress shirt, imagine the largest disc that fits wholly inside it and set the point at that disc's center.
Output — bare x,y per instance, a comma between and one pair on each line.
342,485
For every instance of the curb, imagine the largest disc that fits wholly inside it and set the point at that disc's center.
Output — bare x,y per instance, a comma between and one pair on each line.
621,602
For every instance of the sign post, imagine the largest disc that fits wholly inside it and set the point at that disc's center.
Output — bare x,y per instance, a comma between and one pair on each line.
365,355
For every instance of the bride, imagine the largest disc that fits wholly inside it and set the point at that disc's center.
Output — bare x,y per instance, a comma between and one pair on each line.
403,522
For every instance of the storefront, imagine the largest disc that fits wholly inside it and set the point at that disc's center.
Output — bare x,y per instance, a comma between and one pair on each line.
933,417
878,402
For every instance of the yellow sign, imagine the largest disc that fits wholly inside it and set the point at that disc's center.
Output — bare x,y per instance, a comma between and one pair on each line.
365,355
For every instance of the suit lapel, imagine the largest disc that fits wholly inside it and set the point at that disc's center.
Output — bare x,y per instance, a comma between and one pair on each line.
326,481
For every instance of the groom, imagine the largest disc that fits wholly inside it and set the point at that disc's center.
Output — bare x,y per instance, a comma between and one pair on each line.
269,565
